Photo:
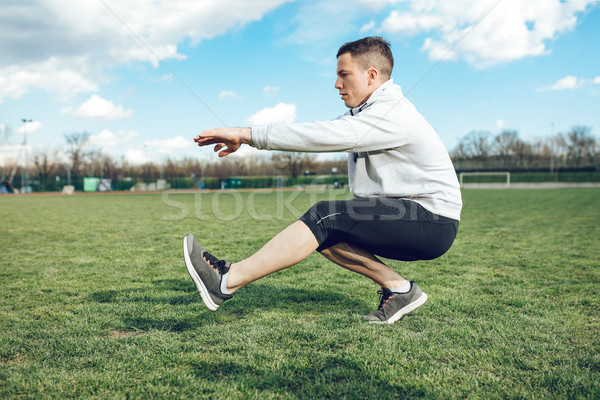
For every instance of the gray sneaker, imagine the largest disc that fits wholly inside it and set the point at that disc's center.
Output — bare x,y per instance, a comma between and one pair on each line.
392,306
206,271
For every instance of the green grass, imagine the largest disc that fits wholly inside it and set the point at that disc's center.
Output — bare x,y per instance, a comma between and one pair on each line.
95,302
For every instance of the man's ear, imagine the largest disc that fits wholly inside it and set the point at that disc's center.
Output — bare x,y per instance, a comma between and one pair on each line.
372,73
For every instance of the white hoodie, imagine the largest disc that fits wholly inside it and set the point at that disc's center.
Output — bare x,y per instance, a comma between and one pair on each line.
394,152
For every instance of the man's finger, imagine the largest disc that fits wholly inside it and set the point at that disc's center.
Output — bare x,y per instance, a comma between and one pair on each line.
219,146
227,152
204,141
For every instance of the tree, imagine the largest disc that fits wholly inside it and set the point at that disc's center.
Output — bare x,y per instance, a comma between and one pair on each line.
476,144
505,143
76,142
581,146
44,168
101,165
293,162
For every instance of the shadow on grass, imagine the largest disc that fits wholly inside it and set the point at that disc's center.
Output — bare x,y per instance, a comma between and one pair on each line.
327,376
144,323
255,297
261,296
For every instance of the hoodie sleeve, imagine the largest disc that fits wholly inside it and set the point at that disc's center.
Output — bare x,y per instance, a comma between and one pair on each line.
317,136
378,127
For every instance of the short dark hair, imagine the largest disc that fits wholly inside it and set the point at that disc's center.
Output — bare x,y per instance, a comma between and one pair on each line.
372,51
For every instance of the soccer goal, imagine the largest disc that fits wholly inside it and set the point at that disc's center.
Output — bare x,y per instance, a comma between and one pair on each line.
485,178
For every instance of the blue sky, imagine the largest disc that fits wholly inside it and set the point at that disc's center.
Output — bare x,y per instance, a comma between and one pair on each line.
143,78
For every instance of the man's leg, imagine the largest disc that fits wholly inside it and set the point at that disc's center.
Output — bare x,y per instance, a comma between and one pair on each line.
363,262
289,247
297,242
398,296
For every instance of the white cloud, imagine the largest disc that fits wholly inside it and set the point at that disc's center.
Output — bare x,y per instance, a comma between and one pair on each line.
107,139
164,78
136,157
9,154
246,152
155,150
571,82
282,113
500,124
568,82
29,127
64,81
485,32
377,5
271,90
411,23
166,146
367,27
66,46
228,94
98,108
481,32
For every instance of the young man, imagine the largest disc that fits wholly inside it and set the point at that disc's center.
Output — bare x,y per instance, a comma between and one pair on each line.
407,199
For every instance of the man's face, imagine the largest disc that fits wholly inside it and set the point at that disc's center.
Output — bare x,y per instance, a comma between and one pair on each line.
352,81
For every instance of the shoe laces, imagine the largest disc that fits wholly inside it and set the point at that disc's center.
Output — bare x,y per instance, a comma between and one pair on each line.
216,263
384,297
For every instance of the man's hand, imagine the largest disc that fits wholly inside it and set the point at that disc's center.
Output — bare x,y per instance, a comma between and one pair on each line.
229,139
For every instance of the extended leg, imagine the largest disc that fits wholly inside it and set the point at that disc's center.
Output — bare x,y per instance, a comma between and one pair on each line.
361,261
289,247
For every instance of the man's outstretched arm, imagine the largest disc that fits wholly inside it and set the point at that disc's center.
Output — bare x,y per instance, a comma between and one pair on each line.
226,140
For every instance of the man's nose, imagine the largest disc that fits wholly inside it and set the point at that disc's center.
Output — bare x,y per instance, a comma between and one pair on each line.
338,83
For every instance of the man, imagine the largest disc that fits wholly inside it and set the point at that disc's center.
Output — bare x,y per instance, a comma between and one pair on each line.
407,199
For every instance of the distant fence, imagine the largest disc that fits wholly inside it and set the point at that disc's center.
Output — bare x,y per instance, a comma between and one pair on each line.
133,184
258,182
532,177
523,164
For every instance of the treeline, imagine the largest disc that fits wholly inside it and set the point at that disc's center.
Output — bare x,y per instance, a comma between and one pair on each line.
45,172
574,150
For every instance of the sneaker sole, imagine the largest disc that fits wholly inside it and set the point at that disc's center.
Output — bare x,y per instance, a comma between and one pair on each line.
403,311
208,302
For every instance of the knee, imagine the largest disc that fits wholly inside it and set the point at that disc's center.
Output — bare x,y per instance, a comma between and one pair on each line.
319,211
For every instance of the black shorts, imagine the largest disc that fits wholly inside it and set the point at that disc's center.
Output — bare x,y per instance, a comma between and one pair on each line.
388,227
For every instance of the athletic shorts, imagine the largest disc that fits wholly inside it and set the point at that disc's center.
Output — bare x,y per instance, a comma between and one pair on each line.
393,228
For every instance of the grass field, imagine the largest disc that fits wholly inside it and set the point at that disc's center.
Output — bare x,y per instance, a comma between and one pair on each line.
95,302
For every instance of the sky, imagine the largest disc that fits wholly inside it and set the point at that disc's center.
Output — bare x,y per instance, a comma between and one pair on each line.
144,77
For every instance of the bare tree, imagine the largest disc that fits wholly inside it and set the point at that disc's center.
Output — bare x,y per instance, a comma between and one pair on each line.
581,146
223,169
505,143
44,166
101,165
476,144
293,162
76,142
191,166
